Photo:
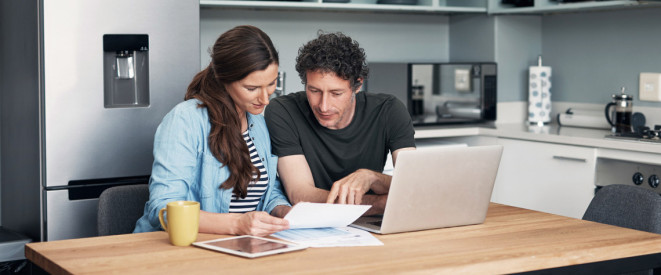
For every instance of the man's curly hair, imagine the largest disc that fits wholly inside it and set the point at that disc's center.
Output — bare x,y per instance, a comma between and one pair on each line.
336,53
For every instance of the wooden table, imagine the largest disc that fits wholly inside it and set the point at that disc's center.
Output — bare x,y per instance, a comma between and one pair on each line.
511,240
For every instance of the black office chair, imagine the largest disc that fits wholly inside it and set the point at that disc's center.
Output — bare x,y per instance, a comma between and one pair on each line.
626,206
120,207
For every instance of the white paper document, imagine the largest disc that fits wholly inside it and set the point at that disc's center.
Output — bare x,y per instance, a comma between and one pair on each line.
328,237
316,215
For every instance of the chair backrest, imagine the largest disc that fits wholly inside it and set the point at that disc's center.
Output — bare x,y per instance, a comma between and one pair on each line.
626,206
120,207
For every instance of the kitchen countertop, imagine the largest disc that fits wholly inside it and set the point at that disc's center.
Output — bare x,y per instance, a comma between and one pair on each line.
553,133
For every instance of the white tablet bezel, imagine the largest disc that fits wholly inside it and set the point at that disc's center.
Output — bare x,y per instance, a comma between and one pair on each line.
290,247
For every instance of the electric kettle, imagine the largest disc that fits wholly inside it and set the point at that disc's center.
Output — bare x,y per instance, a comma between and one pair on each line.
618,113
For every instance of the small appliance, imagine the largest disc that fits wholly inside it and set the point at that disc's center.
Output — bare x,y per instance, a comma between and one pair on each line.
619,111
583,118
439,93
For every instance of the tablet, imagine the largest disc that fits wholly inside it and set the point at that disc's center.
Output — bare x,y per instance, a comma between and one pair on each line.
249,246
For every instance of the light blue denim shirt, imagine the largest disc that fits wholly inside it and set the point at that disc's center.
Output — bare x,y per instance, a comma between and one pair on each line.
185,169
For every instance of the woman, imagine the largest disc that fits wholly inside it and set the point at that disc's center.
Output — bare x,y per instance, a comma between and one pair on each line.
214,147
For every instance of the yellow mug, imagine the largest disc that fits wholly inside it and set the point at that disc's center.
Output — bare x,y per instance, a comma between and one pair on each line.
183,219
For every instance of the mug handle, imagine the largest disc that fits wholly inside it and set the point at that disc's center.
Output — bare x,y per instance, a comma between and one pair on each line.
160,218
608,117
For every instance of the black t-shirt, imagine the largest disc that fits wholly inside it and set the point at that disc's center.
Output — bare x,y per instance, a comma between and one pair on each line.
380,124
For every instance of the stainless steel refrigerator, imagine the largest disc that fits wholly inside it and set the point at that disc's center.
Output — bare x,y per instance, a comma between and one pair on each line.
84,86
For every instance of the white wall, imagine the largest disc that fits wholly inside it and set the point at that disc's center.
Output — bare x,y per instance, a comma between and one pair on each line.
385,37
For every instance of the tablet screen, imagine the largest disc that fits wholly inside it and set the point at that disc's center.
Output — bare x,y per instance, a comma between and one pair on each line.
248,244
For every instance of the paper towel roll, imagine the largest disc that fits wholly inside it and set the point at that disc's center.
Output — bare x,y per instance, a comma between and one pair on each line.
539,94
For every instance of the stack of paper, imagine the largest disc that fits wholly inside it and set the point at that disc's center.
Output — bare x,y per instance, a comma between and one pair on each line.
325,225
329,237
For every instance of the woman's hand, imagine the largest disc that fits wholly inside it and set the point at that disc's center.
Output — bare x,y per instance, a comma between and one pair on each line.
259,223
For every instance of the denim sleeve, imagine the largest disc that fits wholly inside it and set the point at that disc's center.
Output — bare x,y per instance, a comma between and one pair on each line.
175,159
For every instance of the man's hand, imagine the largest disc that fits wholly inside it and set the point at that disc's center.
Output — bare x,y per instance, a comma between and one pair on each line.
352,188
280,211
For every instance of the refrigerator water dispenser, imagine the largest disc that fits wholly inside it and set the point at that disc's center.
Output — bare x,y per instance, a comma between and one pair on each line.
125,70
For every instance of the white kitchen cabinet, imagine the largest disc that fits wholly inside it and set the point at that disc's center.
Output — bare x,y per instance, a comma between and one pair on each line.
430,6
551,6
547,177
422,6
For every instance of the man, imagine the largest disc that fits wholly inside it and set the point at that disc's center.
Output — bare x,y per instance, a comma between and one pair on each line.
333,140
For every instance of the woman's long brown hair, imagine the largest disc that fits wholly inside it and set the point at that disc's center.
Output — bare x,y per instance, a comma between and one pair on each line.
236,53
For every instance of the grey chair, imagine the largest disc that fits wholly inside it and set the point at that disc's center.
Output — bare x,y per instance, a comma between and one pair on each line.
626,206
120,207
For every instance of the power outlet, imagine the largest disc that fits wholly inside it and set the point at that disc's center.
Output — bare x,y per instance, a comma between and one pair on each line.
462,80
649,87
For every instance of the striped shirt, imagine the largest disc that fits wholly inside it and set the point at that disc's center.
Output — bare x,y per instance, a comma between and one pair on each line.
256,189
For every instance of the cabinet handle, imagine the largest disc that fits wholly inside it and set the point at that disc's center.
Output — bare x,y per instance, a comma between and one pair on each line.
569,158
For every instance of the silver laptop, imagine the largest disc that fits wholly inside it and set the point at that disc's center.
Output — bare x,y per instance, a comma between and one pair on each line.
436,188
